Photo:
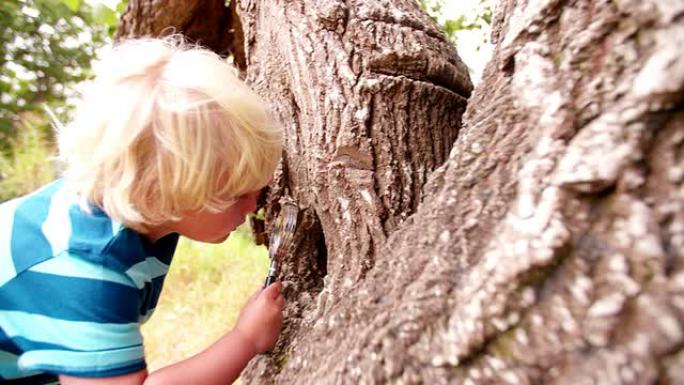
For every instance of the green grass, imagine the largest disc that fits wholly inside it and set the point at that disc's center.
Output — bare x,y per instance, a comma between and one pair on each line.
202,297
29,166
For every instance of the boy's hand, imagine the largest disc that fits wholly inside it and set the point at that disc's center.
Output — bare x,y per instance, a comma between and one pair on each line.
262,317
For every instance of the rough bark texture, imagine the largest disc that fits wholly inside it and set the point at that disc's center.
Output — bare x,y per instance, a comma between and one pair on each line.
549,246
206,22
546,247
371,95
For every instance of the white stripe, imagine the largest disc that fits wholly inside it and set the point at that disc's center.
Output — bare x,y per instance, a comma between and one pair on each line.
57,225
9,368
116,226
80,361
147,270
71,266
78,335
7,269
146,317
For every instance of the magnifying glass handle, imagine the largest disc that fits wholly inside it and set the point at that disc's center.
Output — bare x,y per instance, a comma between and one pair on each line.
272,272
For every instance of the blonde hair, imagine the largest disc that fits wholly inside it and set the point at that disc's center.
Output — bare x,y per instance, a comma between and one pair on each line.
167,128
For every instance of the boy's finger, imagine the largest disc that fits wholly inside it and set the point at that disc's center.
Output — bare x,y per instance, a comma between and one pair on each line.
280,302
254,295
273,290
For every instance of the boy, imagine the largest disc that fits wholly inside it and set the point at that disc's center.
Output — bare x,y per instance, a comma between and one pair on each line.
166,140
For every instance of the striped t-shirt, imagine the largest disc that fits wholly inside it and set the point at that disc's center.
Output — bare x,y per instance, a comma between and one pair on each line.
74,289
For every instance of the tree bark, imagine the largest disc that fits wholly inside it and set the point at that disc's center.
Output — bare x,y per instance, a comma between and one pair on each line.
547,246
371,100
205,22
547,249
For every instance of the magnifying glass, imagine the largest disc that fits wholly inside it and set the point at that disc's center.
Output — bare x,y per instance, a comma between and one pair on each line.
281,237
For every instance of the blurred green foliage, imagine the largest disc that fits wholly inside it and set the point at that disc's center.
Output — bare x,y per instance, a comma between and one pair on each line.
482,20
45,48
30,165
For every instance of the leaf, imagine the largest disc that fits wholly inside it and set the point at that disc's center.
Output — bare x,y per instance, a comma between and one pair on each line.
121,7
73,5
102,14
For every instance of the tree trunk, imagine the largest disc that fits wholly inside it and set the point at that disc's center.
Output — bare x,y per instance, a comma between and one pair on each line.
205,22
371,98
548,244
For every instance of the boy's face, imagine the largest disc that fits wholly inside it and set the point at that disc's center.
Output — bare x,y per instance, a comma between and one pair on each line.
210,227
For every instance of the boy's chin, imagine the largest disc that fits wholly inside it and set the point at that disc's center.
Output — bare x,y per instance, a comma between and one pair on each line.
215,240
218,240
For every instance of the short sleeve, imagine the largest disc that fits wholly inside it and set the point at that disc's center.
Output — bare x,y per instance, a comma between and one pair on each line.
71,316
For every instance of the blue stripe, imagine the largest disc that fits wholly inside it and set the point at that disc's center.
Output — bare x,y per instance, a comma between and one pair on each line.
9,369
157,286
150,299
105,363
70,335
91,232
7,344
164,248
147,270
112,371
28,244
69,298
27,344
123,251
73,266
